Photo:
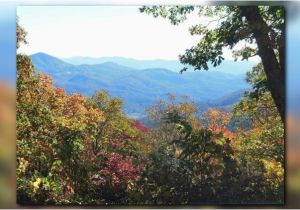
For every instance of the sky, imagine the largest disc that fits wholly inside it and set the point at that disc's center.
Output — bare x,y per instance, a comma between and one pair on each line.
100,31
104,31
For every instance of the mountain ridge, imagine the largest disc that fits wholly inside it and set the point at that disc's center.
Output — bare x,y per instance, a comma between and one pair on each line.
139,89
227,66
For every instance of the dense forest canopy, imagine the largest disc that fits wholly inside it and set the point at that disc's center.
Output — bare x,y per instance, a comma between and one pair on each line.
78,150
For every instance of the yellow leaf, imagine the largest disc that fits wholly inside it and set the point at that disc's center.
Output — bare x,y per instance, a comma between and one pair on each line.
36,184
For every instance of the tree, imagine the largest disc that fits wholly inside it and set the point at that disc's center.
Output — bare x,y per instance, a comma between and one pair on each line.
260,147
261,29
189,163
72,149
21,35
84,151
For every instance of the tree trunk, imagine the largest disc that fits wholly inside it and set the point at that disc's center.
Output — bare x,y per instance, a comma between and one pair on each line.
275,71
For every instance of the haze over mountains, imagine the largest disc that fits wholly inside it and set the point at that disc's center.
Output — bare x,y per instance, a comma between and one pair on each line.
140,83
231,67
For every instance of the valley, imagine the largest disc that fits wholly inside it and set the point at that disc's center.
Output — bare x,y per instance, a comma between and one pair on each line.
140,88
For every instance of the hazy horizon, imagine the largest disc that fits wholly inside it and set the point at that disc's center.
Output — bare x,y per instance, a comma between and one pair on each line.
102,31
228,66
106,31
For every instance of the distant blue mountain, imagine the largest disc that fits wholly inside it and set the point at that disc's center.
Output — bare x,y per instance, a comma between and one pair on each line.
139,89
239,67
50,63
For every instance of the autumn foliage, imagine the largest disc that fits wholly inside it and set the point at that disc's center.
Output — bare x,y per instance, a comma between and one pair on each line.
76,150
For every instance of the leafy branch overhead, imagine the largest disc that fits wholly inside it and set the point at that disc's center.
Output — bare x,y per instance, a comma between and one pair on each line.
78,150
246,30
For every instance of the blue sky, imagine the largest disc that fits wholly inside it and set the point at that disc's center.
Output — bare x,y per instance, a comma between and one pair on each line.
7,44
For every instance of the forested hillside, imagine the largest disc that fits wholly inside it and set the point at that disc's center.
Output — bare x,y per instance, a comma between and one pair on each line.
79,150
140,88
77,146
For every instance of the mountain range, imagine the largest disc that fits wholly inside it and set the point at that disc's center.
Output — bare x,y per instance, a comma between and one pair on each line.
140,88
173,65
